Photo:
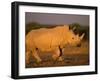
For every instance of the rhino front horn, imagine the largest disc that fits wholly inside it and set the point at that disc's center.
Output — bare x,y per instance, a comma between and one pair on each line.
81,37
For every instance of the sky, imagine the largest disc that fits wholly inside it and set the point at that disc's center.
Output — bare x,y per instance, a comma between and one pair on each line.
56,19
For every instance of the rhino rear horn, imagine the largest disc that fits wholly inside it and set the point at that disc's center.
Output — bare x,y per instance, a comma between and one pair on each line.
81,37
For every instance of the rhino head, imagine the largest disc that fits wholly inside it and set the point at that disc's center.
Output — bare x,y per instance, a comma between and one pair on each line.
72,38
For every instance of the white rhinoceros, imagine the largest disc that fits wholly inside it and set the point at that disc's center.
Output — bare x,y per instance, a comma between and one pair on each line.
50,39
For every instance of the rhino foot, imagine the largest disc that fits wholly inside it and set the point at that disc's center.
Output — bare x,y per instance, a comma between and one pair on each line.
39,61
60,59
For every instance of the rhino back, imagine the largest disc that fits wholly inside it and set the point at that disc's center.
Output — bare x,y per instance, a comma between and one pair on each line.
46,39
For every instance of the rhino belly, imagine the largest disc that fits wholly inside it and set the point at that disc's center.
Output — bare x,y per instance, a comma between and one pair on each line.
46,43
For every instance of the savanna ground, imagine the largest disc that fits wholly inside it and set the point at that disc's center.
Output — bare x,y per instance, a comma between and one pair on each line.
72,56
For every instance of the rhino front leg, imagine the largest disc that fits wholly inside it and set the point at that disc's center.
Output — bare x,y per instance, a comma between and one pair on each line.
57,55
36,56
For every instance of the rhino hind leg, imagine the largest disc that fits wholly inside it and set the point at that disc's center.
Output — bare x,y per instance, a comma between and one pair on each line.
36,56
27,57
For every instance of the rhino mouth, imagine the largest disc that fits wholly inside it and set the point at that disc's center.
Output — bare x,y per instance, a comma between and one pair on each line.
78,45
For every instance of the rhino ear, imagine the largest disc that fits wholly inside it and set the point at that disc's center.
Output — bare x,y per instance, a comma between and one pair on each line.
68,27
81,37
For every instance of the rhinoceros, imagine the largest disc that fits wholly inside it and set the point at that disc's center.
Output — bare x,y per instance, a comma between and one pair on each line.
50,39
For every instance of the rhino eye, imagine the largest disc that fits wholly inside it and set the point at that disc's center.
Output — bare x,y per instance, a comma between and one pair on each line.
72,37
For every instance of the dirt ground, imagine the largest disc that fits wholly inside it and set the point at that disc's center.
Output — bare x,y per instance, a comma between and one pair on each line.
73,56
